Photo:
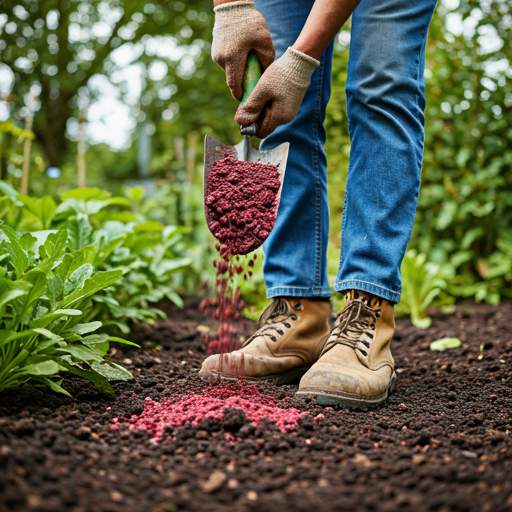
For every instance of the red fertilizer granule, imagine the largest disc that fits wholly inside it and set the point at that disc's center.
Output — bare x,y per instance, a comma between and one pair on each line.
226,306
193,409
241,203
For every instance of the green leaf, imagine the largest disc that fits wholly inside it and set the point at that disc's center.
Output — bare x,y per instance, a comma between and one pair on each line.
54,289
19,259
27,241
124,342
95,338
38,281
99,381
77,279
46,319
86,194
112,371
53,248
445,343
55,386
43,208
80,352
47,333
86,328
71,262
44,368
10,295
421,323
80,232
105,251
10,192
94,284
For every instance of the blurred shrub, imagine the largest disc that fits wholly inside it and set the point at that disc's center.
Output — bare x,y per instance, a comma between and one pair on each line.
111,234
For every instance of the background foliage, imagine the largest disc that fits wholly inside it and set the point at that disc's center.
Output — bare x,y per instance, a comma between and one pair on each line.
65,52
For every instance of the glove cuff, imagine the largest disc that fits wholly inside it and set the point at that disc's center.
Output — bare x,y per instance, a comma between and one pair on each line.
235,6
301,61
297,66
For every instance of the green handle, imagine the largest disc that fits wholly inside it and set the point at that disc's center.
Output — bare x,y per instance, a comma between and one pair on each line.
252,74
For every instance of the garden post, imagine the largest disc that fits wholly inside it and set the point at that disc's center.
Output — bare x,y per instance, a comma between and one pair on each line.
80,156
26,156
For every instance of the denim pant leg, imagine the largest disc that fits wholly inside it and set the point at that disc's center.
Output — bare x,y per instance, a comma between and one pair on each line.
295,252
386,102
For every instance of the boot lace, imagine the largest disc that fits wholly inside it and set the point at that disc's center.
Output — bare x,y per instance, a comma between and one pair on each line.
355,321
276,317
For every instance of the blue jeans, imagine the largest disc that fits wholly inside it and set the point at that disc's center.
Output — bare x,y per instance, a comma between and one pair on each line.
385,102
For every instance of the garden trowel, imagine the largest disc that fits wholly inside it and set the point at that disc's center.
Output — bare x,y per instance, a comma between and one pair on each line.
215,150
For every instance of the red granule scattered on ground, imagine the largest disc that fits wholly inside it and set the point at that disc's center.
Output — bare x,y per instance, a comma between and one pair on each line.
226,306
212,403
241,203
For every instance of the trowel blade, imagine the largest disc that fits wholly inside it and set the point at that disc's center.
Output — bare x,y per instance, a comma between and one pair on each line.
215,150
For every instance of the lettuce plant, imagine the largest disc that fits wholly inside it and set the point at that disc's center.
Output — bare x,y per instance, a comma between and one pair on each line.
423,286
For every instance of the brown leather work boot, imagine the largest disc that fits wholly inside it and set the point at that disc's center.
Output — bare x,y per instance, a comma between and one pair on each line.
292,332
356,367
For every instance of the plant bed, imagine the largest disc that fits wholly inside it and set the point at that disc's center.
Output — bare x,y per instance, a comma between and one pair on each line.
441,442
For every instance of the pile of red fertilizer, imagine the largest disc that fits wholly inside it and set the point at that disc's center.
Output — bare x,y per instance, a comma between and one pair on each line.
193,409
241,203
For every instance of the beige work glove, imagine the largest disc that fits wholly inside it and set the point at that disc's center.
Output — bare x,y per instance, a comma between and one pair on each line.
278,94
238,29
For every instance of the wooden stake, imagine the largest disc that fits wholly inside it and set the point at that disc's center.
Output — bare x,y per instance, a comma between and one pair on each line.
80,157
26,156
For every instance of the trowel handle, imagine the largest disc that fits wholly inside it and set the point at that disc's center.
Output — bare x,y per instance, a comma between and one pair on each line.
252,74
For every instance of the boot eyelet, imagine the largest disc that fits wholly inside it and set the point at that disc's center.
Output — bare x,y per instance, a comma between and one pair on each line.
298,306
280,332
378,314
273,338
372,327
286,324
294,317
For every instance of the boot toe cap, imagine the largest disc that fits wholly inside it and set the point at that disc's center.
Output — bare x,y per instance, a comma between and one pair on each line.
355,382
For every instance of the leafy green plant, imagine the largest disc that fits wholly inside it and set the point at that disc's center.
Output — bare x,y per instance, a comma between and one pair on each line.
44,291
423,286
116,235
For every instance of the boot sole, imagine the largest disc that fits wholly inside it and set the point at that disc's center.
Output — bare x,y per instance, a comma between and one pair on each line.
280,379
344,400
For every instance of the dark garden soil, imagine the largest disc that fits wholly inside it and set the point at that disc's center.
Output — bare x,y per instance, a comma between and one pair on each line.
442,442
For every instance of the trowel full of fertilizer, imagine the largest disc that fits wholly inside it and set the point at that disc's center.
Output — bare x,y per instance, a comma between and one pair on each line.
215,150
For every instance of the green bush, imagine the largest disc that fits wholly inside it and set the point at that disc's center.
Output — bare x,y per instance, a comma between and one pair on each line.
45,288
66,270
117,236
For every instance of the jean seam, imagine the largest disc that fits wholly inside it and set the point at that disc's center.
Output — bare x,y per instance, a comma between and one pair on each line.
292,290
318,220
338,283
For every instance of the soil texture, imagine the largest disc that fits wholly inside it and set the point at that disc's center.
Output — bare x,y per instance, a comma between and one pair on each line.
442,441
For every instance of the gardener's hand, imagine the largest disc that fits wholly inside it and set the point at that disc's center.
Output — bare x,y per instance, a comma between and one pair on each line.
240,28
278,94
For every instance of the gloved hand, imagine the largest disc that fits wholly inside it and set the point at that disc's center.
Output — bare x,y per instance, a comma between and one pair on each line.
278,94
240,28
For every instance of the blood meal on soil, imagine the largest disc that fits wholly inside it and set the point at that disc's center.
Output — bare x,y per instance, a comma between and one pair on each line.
212,403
